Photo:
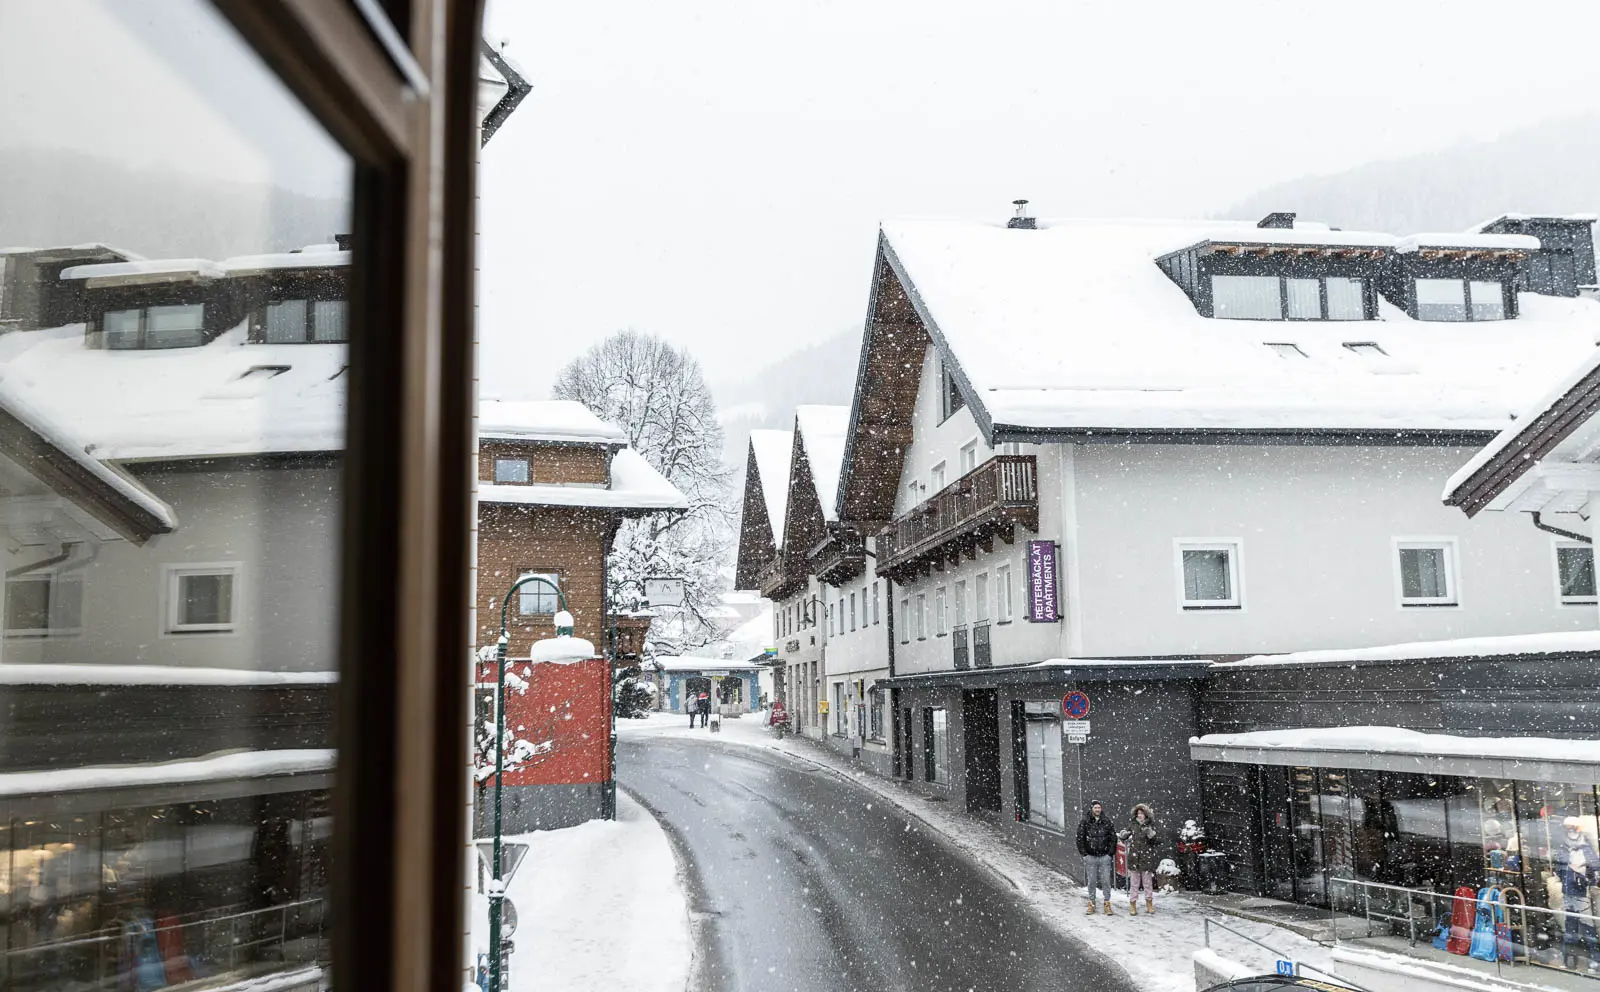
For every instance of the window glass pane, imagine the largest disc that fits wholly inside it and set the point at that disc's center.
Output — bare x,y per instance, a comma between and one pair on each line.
1205,575
176,326
941,746
980,596
1246,297
540,597
286,322
121,328
328,321
1423,573
205,599
511,470
1304,299
28,604
1441,299
1346,298
1576,566
1488,301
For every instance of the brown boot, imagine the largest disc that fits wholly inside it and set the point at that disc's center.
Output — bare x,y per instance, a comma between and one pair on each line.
1133,908
1149,903
1108,907
1091,907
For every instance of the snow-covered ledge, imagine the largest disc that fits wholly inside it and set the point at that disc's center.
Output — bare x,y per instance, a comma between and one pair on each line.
563,649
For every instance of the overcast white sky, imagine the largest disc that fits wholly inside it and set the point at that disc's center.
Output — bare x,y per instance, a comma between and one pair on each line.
714,171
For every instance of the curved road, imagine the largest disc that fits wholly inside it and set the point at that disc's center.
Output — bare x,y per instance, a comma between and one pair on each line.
802,881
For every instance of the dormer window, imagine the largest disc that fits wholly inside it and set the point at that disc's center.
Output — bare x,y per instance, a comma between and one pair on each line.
305,321
1460,299
174,326
1250,297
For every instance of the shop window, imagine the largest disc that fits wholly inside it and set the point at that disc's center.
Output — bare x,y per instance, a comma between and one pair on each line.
1426,572
202,598
539,598
875,707
43,605
1046,806
511,470
1575,572
841,718
1208,575
936,745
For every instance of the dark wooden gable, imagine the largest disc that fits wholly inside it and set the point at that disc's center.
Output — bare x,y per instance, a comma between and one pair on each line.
804,526
757,547
887,379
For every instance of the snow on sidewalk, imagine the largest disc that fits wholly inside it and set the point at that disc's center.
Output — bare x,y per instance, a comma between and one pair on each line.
1156,951
600,907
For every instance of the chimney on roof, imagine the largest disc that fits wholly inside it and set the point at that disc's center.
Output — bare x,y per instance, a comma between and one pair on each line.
1277,220
343,241
1020,219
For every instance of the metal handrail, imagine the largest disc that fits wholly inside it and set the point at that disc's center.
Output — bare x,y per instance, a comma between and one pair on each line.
1276,953
1434,895
112,934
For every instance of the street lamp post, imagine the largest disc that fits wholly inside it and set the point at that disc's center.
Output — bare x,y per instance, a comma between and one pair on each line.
497,888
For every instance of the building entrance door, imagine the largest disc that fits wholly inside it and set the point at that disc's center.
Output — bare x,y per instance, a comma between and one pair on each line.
1277,832
980,720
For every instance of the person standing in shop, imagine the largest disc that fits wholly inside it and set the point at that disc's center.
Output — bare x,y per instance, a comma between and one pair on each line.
1579,868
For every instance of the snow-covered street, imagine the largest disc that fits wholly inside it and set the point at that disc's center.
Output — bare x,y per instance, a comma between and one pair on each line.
600,907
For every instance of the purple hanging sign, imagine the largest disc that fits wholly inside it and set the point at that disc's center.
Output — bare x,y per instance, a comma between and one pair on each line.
1042,601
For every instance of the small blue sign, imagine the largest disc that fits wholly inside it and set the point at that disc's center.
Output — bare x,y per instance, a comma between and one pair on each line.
1285,967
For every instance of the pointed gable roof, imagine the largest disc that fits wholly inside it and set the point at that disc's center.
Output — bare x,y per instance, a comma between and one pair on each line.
821,430
766,493
813,472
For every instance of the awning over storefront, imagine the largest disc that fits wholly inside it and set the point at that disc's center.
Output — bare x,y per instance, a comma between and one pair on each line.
1394,749
1059,670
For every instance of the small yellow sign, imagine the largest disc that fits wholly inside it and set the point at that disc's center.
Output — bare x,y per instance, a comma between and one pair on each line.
822,706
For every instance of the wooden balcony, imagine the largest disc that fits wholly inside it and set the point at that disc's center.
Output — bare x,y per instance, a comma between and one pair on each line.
776,580
988,502
841,556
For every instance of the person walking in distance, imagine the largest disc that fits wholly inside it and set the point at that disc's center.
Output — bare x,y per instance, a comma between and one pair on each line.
705,709
1097,842
1143,838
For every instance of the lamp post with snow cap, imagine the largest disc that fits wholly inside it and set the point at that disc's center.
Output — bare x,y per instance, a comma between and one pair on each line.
497,888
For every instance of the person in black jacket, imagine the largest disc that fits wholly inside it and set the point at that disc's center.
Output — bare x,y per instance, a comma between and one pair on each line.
1097,842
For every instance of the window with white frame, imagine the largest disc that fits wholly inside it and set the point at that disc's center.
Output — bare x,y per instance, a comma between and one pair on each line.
1426,570
937,477
961,602
202,598
44,604
950,398
877,612
852,611
840,614
905,619
969,457
913,494
539,598
980,596
1208,575
1575,572
1002,593
940,599
922,616
511,470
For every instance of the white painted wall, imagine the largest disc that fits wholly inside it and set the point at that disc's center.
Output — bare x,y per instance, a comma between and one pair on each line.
858,653
281,525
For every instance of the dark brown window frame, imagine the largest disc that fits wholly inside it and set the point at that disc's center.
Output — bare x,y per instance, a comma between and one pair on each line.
408,119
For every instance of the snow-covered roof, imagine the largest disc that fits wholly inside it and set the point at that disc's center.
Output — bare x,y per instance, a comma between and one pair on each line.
773,450
1563,642
545,420
1073,327
1370,742
685,663
243,764
144,271
68,444
154,675
1470,241
1301,235
309,257
563,649
1571,218
822,432
70,250
227,397
1525,420
635,485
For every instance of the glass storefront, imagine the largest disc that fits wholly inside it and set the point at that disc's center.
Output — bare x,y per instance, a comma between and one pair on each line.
1378,843
149,897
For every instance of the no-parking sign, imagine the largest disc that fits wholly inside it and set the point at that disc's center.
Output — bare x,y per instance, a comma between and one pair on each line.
1075,705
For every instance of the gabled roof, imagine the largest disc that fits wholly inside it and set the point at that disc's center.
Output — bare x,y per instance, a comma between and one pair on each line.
561,421
821,431
1558,426
771,451
1073,330
635,485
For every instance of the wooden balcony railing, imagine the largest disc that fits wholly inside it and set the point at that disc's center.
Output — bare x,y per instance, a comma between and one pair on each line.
776,581
989,501
841,556
981,656
958,646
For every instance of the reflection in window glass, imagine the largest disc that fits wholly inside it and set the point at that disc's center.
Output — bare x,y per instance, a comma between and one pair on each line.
538,598
1304,299
1575,565
1488,300
157,539
1346,298
1425,575
328,321
1246,297
1208,576
1441,299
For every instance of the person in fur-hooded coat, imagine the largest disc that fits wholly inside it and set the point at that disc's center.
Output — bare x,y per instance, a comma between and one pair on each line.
1143,838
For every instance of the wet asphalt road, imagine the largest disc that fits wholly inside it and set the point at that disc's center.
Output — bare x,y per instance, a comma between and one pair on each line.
802,881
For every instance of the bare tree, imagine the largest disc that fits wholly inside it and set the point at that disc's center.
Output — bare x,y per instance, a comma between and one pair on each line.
657,394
